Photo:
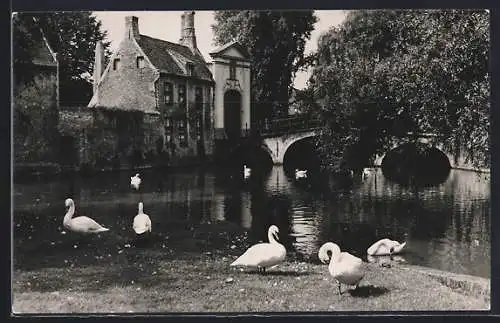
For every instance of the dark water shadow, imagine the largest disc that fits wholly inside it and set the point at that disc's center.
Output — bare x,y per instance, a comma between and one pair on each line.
368,291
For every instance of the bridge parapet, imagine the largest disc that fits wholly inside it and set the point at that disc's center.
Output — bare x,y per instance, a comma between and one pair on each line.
276,127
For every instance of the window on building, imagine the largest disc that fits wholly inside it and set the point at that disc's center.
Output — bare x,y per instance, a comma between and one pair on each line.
168,92
198,128
198,98
140,62
116,64
232,70
181,128
168,129
182,95
190,69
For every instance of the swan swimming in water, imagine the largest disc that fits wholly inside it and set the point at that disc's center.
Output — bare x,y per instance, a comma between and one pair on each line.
246,171
344,267
142,222
81,224
300,173
385,247
263,255
135,181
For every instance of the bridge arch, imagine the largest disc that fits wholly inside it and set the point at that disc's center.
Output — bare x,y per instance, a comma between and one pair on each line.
423,162
302,154
277,146
249,153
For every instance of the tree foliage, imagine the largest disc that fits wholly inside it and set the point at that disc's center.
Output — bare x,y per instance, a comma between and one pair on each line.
385,73
275,41
73,36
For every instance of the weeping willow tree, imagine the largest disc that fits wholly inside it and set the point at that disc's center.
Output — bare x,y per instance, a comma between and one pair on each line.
384,73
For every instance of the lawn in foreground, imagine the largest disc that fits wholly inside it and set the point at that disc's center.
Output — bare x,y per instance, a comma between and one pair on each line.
206,283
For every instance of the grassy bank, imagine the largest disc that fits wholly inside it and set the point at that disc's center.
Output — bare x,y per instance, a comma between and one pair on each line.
204,282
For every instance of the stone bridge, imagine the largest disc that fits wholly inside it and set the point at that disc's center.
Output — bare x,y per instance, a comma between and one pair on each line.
278,135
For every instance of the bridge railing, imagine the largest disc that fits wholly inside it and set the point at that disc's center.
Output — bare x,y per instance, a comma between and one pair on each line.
286,125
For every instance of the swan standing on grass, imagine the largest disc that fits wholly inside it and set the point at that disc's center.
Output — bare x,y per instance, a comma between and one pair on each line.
81,224
246,171
135,181
344,267
263,255
385,247
300,173
142,222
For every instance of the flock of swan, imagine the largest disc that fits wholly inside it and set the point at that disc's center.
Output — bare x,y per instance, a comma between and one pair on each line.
343,267
84,224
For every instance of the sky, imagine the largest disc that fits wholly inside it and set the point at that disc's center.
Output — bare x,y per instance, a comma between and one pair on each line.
166,25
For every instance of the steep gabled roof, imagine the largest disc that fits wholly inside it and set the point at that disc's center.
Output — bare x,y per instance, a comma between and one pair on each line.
172,58
44,55
225,48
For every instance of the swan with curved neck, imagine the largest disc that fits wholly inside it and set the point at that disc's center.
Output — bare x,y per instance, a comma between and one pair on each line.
135,181
300,173
263,255
344,267
385,247
142,222
81,224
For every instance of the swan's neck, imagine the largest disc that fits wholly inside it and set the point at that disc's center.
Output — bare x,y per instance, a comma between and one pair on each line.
335,257
141,209
271,238
69,214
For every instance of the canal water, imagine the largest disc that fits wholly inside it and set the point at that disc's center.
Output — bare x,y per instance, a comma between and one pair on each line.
446,226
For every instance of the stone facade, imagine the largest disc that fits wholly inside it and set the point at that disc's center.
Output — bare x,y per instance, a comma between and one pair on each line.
231,70
169,84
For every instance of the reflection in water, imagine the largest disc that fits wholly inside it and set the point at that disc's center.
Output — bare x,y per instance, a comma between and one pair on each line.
446,226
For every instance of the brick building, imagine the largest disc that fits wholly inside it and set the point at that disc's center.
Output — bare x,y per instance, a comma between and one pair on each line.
158,100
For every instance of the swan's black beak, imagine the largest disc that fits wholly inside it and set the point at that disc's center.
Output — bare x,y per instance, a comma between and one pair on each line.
276,236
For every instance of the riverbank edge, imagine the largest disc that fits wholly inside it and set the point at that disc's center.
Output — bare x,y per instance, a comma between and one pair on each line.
471,287
466,284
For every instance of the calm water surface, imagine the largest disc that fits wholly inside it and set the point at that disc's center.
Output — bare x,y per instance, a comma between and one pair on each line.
446,226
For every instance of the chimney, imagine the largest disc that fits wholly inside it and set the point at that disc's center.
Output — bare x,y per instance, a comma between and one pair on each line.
182,29
188,35
132,27
98,64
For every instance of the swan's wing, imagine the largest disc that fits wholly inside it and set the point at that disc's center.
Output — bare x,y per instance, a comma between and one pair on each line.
86,223
381,247
141,221
257,255
349,269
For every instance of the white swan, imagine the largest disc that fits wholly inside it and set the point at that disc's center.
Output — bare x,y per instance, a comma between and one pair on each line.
385,247
135,181
344,267
300,173
81,224
246,171
263,255
142,222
